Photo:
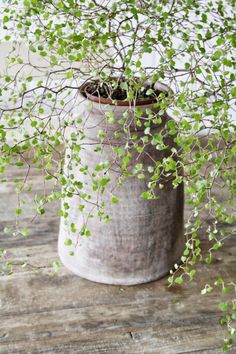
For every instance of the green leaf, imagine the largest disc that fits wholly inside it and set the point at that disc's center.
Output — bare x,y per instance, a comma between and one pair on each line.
111,117
60,51
233,91
147,195
53,59
69,74
60,213
34,123
223,306
179,280
40,210
104,181
25,232
220,41
101,134
149,92
7,230
225,289
201,100
56,266
217,55
5,19
217,245
87,233
73,228
68,242
233,40
128,71
19,163
114,199
7,79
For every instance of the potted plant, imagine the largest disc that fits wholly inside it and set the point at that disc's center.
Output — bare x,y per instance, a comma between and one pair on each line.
144,237
126,94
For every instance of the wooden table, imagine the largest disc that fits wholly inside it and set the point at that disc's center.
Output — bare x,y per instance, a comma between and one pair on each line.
46,313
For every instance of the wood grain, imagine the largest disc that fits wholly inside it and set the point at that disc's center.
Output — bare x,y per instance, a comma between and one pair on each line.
44,313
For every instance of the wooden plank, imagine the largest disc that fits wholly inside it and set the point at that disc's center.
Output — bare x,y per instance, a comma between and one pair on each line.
165,320
147,341
43,285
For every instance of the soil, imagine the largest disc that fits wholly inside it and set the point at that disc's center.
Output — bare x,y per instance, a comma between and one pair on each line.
104,90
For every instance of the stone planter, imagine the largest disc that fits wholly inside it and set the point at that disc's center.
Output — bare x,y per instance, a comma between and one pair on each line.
144,238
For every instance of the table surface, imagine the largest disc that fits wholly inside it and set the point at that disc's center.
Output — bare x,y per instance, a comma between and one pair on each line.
46,313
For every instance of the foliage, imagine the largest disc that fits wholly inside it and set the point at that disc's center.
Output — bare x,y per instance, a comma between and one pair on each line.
193,46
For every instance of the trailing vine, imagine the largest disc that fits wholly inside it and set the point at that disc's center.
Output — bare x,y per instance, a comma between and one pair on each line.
57,45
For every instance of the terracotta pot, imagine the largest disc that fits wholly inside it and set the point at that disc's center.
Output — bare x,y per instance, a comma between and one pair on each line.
101,100
144,238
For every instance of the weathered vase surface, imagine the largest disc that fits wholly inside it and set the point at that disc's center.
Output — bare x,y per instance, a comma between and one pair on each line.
144,238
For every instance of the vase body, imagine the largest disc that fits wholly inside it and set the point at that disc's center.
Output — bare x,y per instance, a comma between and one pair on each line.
144,238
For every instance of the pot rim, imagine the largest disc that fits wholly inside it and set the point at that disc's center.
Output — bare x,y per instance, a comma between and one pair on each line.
108,101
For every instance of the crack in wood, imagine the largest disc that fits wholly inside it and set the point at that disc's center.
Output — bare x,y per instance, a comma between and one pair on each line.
131,335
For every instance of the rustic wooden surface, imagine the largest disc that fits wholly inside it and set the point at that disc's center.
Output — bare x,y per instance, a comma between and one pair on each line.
44,313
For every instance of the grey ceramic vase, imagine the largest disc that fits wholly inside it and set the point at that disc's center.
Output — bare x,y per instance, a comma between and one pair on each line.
144,238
